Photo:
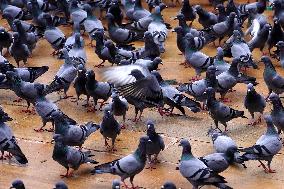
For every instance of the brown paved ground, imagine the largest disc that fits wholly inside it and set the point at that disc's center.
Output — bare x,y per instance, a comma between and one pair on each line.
43,172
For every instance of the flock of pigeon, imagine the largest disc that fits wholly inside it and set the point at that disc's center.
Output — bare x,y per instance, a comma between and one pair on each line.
134,79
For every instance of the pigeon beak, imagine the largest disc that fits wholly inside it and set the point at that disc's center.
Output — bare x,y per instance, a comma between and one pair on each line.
162,187
175,18
173,31
149,140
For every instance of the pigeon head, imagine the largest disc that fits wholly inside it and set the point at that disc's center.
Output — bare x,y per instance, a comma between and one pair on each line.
250,88
179,17
115,2
18,184
270,126
158,76
178,30
61,185
169,185
157,10
268,27
4,116
81,69
276,4
232,16
162,6
273,97
99,34
184,143
114,94
280,45
16,37
220,8
230,152
90,74
150,128
87,8
148,35
56,115
116,184
137,74
109,16
58,138
211,70
74,3
142,145
220,53
275,21
17,22
237,34
107,113
266,61
198,8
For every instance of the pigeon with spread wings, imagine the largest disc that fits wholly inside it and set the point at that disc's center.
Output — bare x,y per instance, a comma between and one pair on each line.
137,85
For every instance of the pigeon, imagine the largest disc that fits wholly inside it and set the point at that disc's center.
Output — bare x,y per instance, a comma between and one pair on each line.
218,162
197,88
228,79
63,6
137,85
277,112
254,102
218,111
30,39
120,35
53,35
77,14
77,53
115,10
29,74
268,145
116,184
206,19
69,157
153,3
219,62
273,81
70,41
72,134
17,184
92,23
239,49
169,185
275,35
8,140
64,76
195,58
195,171
5,40
188,11
258,21
151,65
180,38
13,11
80,82
109,128
128,8
44,108
221,12
187,28
139,11
280,46
19,50
37,15
151,50
158,29
28,27
260,39
259,6
61,185
118,106
174,98
155,146
96,89
128,166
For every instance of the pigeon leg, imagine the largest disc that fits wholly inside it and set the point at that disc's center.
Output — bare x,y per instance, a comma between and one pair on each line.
123,126
150,162
156,159
160,110
259,119
2,156
216,124
100,64
87,102
125,185
102,104
106,143
50,130
269,168
131,181
136,113
66,175
262,165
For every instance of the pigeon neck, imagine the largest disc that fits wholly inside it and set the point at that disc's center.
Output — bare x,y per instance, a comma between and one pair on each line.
186,153
211,80
277,105
268,66
270,129
233,70
140,153
60,150
60,126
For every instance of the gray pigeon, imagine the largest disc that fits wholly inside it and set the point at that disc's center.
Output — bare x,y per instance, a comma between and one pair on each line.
218,111
280,46
109,128
277,112
70,41
29,74
116,184
69,157
128,166
69,133
8,140
206,19
259,40
80,83
273,81
13,11
139,11
169,185
28,38
137,85
18,184
118,106
254,102
197,88
53,35
96,89
128,6
60,185
155,146
174,98
268,145
77,14
150,64
64,76
196,172
19,50
77,53
5,40
219,62
28,27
